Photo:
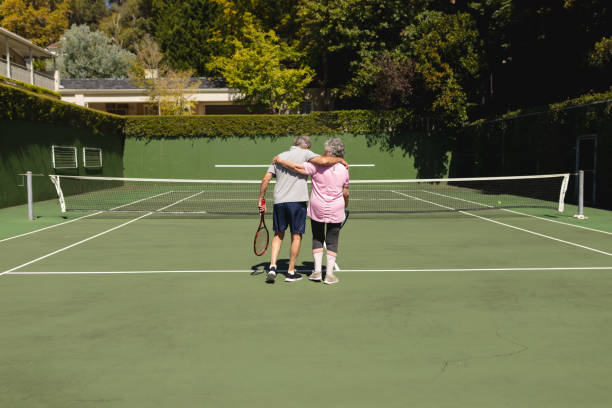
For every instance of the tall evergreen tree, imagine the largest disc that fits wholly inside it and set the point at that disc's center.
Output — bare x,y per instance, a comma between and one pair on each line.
185,30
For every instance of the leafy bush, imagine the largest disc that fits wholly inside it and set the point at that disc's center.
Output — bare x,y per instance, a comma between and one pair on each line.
18,104
357,122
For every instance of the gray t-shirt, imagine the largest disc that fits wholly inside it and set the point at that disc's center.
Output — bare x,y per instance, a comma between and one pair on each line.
291,187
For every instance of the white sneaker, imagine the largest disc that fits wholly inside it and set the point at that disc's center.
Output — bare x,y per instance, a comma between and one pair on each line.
271,275
330,279
315,276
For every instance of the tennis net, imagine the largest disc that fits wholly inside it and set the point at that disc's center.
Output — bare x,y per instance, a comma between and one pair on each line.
239,197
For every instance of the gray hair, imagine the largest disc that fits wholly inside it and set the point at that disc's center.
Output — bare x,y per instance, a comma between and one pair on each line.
335,147
303,141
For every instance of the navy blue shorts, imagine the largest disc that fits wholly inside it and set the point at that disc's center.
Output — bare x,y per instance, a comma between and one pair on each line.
292,214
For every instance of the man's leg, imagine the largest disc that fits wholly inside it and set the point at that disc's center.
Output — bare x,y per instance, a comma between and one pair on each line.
296,241
298,227
277,241
279,226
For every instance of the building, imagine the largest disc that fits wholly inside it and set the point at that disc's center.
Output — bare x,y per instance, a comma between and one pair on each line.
16,61
121,97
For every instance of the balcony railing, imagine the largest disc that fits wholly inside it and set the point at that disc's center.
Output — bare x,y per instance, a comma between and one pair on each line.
21,73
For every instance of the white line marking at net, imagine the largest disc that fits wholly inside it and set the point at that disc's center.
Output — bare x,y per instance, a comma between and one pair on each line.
526,269
76,219
97,235
558,222
512,226
72,245
49,227
520,213
267,165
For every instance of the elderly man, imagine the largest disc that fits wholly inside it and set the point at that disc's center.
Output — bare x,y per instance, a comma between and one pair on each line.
290,198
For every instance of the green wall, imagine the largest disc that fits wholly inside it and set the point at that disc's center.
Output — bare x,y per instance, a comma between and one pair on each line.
26,145
196,157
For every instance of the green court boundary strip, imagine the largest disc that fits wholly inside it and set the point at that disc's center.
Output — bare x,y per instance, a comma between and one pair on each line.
526,269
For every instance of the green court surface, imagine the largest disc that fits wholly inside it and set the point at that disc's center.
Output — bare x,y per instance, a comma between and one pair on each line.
483,309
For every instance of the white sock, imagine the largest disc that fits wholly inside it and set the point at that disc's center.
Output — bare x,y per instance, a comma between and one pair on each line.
318,260
331,262
291,272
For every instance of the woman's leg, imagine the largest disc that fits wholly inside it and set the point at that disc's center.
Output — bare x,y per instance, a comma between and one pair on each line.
318,238
331,241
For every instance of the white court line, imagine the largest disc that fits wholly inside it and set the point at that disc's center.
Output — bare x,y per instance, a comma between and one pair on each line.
46,228
579,268
267,165
72,245
520,213
76,219
95,236
511,226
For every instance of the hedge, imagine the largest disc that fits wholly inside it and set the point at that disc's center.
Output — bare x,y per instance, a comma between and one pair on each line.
356,121
29,87
19,104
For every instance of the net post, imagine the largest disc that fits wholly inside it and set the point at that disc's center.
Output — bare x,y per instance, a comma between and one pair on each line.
30,195
580,214
60,194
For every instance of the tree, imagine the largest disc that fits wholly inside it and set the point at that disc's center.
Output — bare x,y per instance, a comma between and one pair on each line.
185,30
340,33
444,48
538,51
276,15
128,22
385,80
168,89
91,54
41,22
265,71
601,54
88,12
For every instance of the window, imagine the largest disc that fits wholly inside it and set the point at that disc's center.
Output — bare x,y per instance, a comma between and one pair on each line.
117,108
92,157
64,157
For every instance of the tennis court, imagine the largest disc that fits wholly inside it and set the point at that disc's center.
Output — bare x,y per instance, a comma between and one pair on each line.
504,307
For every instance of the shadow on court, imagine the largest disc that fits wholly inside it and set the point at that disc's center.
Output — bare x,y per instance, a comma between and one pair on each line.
282,266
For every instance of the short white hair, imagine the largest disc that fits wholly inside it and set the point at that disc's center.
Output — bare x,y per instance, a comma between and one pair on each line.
303,141
335,147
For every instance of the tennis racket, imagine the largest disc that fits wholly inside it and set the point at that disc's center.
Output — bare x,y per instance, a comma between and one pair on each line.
260,244
346,215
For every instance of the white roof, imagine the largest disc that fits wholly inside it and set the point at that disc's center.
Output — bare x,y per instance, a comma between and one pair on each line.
22,46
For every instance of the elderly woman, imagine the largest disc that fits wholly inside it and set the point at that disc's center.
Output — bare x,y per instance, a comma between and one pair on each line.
328,200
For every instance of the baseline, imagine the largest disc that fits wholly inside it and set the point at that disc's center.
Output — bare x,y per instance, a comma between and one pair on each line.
526,269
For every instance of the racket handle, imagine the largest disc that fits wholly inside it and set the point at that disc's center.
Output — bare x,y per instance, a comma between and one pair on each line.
262,206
